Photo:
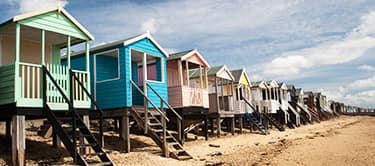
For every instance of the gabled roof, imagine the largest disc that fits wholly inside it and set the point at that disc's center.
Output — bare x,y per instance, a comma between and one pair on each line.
47,10
299,91
272,83
239,75
184,55
126,42
282,85
214,71
260,84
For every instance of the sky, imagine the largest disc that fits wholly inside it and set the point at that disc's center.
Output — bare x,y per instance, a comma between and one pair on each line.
317,45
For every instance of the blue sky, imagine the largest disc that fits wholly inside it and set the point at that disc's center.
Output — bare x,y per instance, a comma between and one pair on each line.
322,45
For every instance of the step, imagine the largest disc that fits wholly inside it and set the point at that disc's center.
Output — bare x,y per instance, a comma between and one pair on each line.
92,154
100,164
86,145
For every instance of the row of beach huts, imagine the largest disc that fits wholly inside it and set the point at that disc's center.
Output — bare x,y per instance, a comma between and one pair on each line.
136,83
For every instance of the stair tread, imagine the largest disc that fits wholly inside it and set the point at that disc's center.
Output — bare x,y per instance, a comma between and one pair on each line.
93,154
100,163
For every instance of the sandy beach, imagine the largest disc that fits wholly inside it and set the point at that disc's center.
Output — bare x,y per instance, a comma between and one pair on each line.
341,141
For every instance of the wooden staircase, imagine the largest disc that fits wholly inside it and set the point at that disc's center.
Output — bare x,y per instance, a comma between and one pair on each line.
156,131
250,117
274,122
255,122
314,114
305,115
77,135
153,122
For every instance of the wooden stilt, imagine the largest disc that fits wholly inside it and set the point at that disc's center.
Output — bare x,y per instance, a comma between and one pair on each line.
18,140
232,125
8,129
218,126
56,142
212,126
241,124
124,132
86,120
206,127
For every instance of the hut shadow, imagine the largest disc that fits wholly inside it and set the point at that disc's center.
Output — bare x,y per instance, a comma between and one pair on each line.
138,143
39,152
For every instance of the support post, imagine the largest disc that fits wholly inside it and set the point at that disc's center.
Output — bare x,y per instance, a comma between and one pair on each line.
43,48
180,74
17,83
86,121
241,124
124,131
18,140
218,126
145,90
56,142
206,127
187,73
232,125
68,53
200,76
165,145
8,129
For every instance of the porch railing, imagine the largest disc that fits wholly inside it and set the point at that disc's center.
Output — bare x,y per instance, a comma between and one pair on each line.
30,76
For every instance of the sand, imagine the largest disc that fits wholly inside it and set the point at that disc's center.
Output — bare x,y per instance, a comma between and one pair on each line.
340,141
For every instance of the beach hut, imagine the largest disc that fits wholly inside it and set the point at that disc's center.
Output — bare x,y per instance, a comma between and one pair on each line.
284,97
242,95
296,102
309,102
320,104
266,104
189,97
34,84
220,91
275,113
129,78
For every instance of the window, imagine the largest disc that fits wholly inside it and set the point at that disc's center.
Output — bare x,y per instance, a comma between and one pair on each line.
107,66
264,94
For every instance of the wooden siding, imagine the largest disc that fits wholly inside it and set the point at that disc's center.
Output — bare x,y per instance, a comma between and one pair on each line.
187,97
55,22
106,68
7,91
173,76
145,45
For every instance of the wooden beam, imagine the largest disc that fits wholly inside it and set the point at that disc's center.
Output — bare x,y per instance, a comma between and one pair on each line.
124,132
18,140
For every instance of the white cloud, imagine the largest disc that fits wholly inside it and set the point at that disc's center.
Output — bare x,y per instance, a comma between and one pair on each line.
368,83
31,5
360,92
291,65
366,68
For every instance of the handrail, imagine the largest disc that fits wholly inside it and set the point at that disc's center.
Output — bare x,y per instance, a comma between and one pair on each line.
250,105
73,112
149,100
161,98
98,108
